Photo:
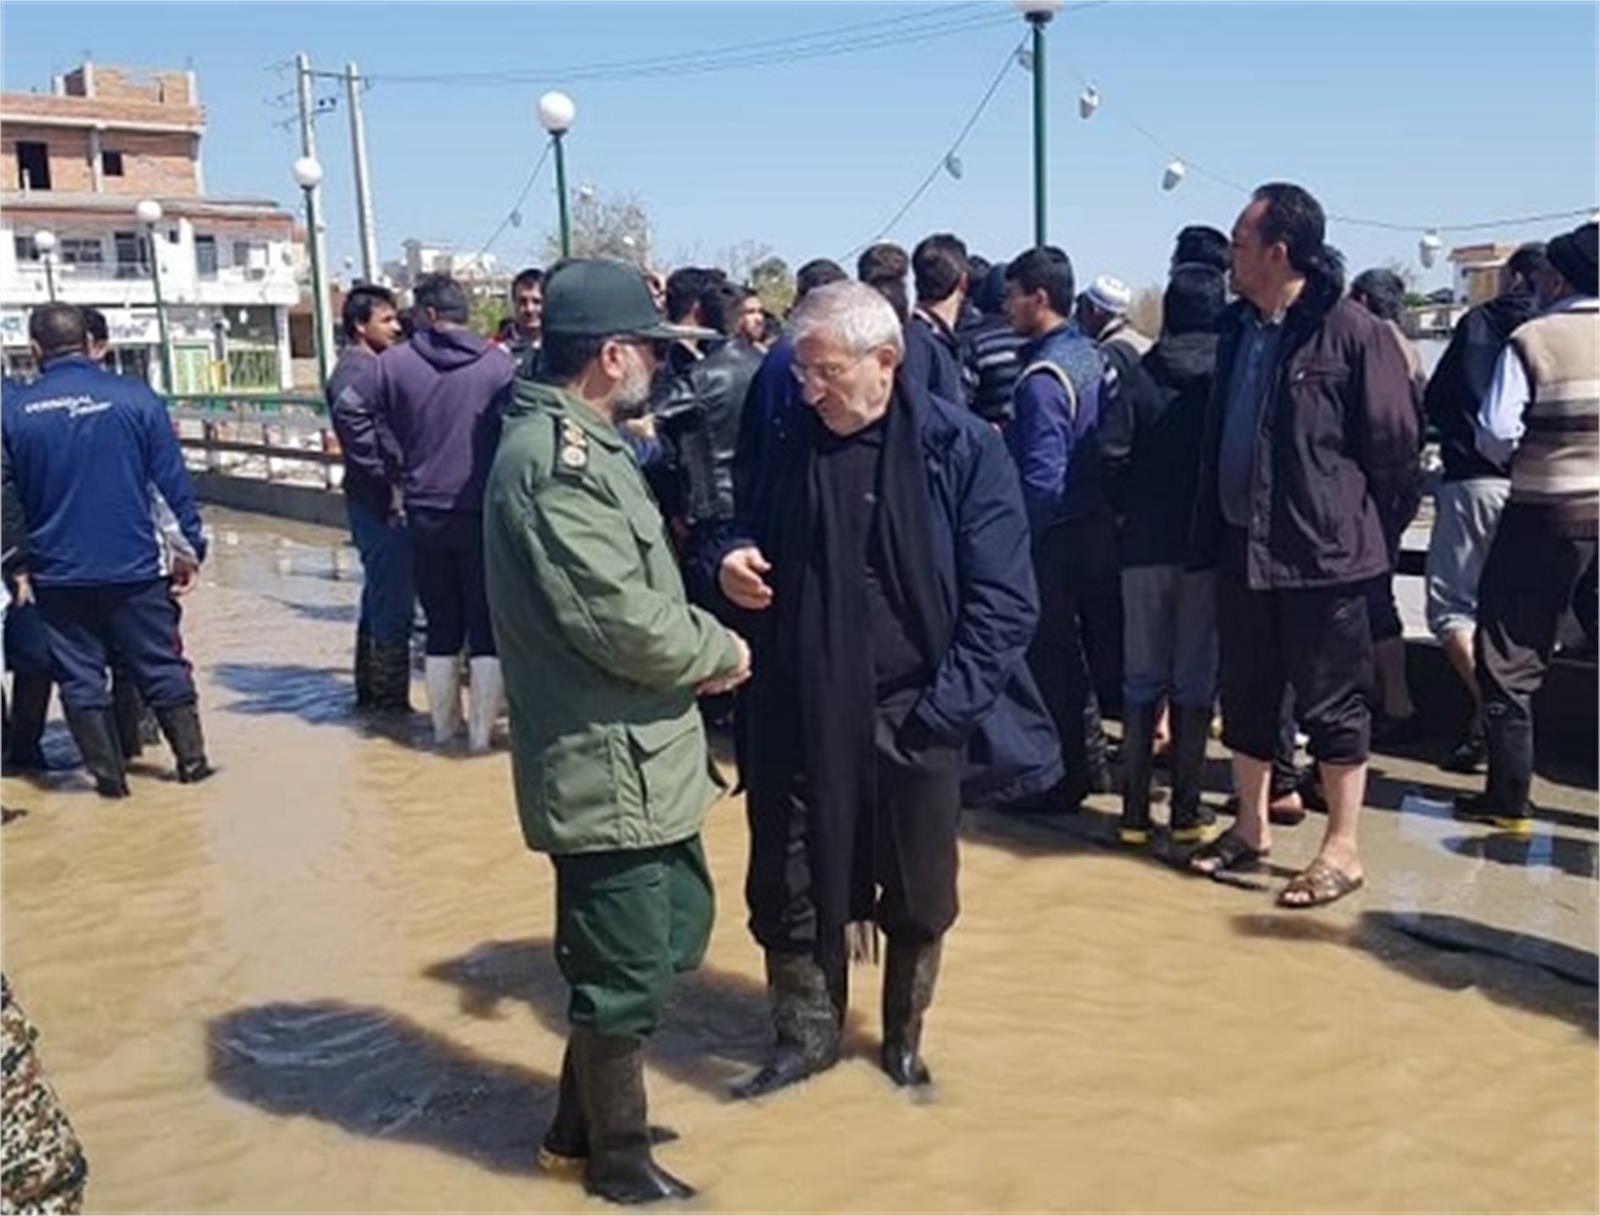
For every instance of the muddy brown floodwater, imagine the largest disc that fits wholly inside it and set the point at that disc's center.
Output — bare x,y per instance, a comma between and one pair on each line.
322,982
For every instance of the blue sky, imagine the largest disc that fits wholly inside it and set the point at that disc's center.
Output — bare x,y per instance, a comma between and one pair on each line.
1413,113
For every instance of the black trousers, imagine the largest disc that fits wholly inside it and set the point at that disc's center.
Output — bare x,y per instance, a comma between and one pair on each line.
447,562
1316,641
134,623
1069,566
1529,581
914,855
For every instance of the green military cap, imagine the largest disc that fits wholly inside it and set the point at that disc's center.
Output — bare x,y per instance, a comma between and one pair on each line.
599,298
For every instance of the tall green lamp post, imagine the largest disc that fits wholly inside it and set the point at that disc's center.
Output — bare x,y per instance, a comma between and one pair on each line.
148,213
308,176
556,113
1038,13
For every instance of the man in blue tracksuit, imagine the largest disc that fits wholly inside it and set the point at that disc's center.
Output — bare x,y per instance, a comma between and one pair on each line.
1053,437
85,448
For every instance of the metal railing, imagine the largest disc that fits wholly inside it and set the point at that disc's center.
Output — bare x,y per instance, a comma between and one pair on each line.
269,436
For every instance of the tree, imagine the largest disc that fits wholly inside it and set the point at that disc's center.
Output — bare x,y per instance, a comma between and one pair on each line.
1144,314
616,228
774,283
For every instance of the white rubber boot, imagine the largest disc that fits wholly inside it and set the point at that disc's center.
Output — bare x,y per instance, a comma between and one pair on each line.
484,701
443,675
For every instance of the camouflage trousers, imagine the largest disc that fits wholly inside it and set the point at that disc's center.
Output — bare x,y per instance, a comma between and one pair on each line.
44,1169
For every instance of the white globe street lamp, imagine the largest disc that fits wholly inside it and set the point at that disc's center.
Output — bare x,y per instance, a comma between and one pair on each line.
556,113
307,172
148,212
44,242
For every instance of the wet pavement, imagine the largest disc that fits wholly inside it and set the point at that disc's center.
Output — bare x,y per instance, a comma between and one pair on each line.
322,981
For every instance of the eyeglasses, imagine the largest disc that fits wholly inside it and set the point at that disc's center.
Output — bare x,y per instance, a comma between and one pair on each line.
823,373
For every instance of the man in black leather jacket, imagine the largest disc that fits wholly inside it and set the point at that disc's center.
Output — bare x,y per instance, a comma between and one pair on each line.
698,411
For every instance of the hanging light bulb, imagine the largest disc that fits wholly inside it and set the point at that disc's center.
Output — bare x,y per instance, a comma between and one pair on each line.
1025,58
1173,175
1429,246
1088,102
516,219
952,166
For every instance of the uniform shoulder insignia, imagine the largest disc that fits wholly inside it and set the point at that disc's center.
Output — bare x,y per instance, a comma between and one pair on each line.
574,454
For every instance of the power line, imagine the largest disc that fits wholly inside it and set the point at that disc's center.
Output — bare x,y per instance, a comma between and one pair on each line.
906,29
1355,221
526,186
922,188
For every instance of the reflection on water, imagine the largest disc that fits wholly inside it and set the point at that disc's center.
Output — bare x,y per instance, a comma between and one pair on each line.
322,982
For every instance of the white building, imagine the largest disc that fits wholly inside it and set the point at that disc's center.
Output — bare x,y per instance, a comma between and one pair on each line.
76,162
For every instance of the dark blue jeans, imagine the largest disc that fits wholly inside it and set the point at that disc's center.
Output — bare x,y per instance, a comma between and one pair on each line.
388,590
137,623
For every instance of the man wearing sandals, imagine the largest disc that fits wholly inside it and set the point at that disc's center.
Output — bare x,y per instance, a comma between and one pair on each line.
1309,456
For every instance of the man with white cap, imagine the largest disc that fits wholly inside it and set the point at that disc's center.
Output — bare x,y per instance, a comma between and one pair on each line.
1103,316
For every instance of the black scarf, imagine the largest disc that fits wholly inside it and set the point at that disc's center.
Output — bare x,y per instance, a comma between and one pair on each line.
822,642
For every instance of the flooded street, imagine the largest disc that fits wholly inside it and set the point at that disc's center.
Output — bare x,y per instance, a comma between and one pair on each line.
322,981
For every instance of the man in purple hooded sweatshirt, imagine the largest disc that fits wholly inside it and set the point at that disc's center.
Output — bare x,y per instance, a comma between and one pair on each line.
441,395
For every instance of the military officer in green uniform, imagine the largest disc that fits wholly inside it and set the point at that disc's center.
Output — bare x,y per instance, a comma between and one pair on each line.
603,657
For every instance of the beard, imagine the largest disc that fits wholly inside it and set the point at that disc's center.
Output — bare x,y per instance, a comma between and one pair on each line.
633,394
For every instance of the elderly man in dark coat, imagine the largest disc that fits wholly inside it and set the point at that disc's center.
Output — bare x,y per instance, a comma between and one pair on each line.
880,563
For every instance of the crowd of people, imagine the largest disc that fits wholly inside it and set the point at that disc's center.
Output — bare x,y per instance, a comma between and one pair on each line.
913,547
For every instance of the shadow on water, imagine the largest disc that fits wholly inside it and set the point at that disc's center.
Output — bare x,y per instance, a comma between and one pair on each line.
335,613
315,694
376,1074
322,696
1562,853
714,1031
1515,969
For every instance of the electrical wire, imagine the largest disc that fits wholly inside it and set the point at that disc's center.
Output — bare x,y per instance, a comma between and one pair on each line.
521,197
922,187
1353,220
901,29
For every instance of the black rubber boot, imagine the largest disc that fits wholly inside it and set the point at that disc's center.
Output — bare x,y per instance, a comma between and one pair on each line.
30,705
1138,748
181,725
1189,818
95,733
610,1081
390,668
129,710
366,692
565,1148
910,970
808,1001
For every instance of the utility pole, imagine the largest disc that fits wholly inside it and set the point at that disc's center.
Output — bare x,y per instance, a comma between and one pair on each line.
315,225
358,142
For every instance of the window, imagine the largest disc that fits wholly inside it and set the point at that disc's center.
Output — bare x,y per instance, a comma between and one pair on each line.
82,251
111,163
27,251
133,255
205,256
33,165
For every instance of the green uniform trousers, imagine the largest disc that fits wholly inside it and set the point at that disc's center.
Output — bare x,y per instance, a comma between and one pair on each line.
626,921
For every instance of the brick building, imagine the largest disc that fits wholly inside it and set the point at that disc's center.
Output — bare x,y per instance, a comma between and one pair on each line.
75,162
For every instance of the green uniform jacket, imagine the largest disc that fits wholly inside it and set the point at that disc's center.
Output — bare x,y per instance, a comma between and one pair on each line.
600,648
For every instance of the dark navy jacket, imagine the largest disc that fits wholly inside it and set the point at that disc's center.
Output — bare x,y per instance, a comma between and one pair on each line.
367,448
981,696
86,448
1054,441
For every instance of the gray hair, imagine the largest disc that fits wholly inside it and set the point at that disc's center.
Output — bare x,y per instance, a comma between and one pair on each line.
853,313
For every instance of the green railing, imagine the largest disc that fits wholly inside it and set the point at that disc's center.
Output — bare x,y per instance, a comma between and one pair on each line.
247,404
